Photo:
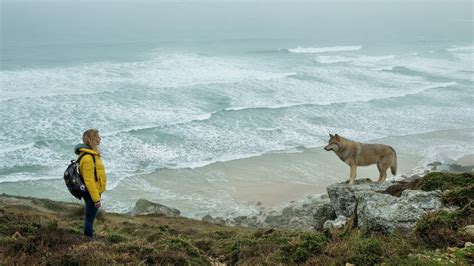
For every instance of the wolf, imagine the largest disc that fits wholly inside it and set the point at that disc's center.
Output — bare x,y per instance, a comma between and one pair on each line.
356,154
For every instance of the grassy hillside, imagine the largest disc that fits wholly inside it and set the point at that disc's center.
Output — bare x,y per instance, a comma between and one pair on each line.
40,231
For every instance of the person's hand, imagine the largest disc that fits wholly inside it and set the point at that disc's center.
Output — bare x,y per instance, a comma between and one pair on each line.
97,204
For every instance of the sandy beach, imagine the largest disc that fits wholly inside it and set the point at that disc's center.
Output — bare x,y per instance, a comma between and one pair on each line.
466,160
269,180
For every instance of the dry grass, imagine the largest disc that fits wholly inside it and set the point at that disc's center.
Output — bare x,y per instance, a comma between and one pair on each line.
39,232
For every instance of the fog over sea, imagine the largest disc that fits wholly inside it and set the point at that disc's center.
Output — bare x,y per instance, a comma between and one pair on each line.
211,107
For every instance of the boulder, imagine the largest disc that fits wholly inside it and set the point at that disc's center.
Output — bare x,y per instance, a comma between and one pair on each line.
343,195
468,231
338,223
386,213
143,207
295,216
218,220
324,213
302,215
376,211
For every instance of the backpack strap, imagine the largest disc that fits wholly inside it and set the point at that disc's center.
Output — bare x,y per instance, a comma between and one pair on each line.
93,159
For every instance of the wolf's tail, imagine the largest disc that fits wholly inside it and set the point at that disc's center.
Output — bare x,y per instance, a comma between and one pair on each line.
393,167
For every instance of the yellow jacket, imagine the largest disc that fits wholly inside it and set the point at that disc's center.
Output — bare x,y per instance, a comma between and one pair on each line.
86,169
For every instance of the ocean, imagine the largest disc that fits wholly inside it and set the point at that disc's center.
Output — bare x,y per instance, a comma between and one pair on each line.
212,107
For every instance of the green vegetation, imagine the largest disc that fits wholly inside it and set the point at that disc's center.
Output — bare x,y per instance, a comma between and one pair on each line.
459,196
36,231
368,251
445,181
441,229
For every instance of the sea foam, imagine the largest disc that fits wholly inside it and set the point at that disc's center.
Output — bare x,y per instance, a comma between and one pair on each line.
311,50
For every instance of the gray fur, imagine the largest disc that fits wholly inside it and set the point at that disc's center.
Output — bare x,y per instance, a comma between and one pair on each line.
355,154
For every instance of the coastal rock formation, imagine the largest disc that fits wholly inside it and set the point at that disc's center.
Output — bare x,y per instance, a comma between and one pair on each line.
324,213
301,215
386,213
143,207
208,218
338,222
305,215
376,211
370,206
343,196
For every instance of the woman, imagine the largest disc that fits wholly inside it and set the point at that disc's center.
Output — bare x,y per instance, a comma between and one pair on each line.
93,171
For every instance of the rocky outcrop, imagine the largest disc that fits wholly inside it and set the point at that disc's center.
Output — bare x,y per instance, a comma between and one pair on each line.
386,213
208,218
305,215
371,206
338,222
343,196
451,168
143,207
324,213
468,230
376,211
300,216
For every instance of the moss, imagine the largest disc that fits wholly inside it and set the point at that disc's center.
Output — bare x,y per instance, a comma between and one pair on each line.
445,181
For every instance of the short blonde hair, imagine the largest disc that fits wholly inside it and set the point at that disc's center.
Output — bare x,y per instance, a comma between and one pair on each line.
88,137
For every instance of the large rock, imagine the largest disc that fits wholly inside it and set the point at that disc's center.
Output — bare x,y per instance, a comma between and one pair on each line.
218,220
386,213
468,231
143,207
338,223
299,215
324,213
376,211
343,195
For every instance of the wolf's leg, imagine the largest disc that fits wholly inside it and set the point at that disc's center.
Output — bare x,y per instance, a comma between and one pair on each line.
384,175
383,167
379,166
353,174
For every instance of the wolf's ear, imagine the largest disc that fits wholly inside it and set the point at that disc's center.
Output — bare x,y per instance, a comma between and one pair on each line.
337,137
331,136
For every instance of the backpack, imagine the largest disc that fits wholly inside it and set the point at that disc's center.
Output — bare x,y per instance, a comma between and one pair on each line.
73,179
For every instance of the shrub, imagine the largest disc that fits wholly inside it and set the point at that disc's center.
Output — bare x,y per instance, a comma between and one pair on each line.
367,252
459,196
301,250
116,238
438,229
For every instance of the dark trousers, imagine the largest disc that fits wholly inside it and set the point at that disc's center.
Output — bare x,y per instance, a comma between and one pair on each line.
91,212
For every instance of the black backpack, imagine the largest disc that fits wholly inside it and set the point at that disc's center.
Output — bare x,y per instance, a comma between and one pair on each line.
73,179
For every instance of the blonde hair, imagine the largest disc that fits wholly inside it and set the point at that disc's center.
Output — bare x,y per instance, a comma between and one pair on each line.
89,138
